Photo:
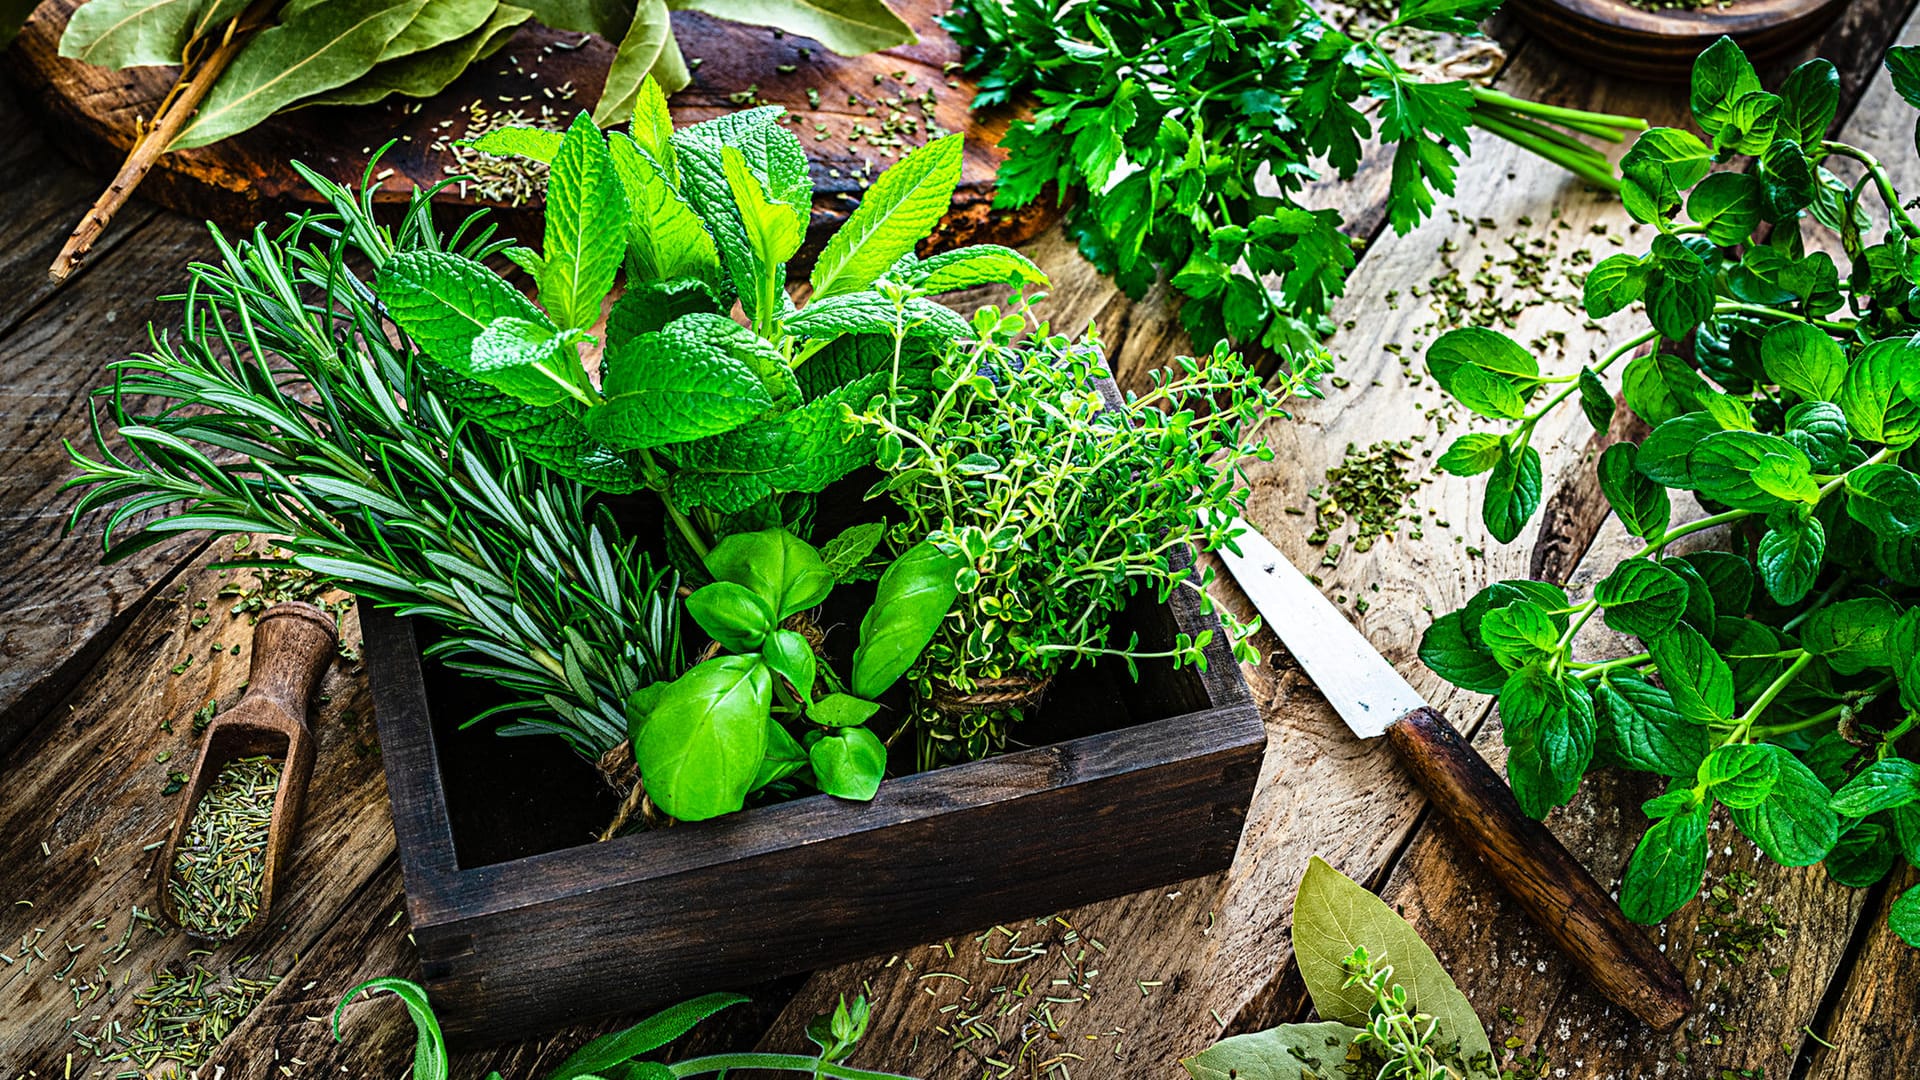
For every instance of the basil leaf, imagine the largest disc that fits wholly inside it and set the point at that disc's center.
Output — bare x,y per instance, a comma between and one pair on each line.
1596,401
1812,94
1904,916
913,597
1519,634
732,615
790,656
704,741
842,710
779,567
849,763
1722,466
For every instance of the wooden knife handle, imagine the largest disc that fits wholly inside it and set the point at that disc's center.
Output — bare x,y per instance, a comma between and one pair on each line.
1550,884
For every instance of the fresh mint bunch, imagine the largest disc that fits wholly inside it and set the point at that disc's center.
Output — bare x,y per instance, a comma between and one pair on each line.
726,422
1181,134
1060,505
1779,678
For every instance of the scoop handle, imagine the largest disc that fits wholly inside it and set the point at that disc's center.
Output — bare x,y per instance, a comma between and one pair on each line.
1552,886
292,645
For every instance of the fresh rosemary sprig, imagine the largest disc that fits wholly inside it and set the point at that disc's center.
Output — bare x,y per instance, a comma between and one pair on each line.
284,408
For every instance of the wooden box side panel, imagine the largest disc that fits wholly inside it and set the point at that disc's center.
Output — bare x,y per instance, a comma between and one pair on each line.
814,902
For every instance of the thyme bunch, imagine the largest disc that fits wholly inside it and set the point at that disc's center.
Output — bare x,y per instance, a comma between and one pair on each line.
1401,1034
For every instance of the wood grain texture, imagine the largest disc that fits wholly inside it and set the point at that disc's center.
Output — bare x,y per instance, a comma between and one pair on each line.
1552,887
1661,44
246,178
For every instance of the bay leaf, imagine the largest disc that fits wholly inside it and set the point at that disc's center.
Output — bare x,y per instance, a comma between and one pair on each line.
1316,1051
1333,915
328,45
430,71
608,18
848,27
439,22
132,33
648,49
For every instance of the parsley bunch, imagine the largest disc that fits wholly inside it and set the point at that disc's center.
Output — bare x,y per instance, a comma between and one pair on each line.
1780,678
1062,506
1181,133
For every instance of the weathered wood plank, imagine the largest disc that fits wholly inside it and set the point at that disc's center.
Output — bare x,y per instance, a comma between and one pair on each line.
86,803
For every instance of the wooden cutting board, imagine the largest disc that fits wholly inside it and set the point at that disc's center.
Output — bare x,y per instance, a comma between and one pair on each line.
91,112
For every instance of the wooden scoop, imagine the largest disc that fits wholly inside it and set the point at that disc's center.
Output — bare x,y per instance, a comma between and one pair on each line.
292,644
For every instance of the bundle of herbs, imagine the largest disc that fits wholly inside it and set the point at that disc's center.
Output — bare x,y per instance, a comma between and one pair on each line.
1780,675
242,62
1182,135
1060,505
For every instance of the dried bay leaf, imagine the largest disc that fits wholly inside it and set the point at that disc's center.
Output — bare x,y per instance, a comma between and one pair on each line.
848,27
327,45
1282,1053
428,72
439,22
648,49
1333,915
608,18
131,33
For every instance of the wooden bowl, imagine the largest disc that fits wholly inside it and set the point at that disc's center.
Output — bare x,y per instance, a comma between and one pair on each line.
1615,36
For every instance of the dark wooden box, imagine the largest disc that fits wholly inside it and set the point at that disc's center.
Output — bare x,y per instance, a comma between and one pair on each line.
524,926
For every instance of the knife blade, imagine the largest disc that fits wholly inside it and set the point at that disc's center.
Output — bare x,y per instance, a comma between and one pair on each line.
1373,699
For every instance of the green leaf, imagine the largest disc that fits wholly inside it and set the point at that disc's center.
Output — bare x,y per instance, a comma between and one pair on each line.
1488,372
1750,125
702,743
427,72
1852,635
846,554
646,1036
1641,504
1862,857
1788,478
1319,1049
1661,163
585,228
1721,77
1877,409
775,157
1696,676
1812,94
1884,785
1804,361
913,597
733,615
782,569
1472,454
1640,726
1667,866
1790,555
534,144
842,710
1460,660
1903,63
1616,282
1519,634
444,302
132,33
967,267
665,238
848,27
430,1046
1641,598
803,450
528,360
678,384
895,214
1595,400
1904,917
785,756
1512,495
1722,467
790,656
1792,825
1332,916
1659,388
1885,498
326,46
1728,205
1905,647
1680,289
648,51
1549,728
774,229
1741,775
849,762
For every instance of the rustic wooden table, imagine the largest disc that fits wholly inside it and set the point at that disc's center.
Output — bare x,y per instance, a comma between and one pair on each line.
103,667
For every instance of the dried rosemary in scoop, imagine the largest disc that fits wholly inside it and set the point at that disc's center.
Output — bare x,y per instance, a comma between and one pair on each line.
222,860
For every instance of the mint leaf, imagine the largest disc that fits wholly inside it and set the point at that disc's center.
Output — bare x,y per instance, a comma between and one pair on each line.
1728,205
678,384
1513,494
1640,727
530,361
1803,360
1790,554
1904,917
1885,785
1852,635
1698,679
967,267
1472,454
1721,76
444,301
585,228
1877,409
898,211
1548,727
1741,775
1885,498
1792,824
1616,282
1667,866
1641,504
1641,598
1458,658
665,238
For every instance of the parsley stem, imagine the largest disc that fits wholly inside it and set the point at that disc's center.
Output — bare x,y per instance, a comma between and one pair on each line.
1581,165
1560,114
1542,131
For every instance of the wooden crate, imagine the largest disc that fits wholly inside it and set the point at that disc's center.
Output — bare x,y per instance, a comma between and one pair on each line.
1148,785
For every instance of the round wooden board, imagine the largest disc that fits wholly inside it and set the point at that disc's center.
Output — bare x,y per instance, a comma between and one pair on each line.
246,178
1614,35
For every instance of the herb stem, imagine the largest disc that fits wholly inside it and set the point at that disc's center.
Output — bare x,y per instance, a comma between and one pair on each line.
1560,114
1581,165
801,1063
1728,307
1881,180
1744,727
1595,670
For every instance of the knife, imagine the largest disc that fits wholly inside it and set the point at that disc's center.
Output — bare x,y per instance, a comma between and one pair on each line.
1552,886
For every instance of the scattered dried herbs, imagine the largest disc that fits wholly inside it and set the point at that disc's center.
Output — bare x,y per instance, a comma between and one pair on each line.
183,1016
220,865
